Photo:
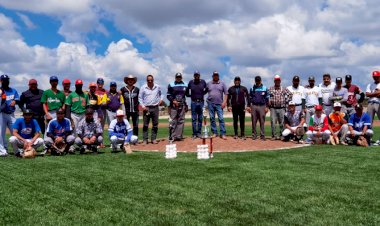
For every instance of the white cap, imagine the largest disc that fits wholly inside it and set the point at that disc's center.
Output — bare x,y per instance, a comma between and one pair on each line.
291,103
337,104
277,77
119,113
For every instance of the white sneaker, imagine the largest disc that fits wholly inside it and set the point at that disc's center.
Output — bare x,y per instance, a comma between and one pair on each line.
377,143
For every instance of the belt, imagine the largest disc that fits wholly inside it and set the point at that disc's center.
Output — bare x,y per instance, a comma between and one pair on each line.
327,105
197,100
258,104
277,107
298,104
154,106
310,106
373,102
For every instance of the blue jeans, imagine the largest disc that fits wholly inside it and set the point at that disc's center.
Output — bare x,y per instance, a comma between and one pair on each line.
212,108
197,117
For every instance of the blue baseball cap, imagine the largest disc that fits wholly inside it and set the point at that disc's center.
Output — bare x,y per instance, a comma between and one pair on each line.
4,77
113,84
197,72
54,78
100,81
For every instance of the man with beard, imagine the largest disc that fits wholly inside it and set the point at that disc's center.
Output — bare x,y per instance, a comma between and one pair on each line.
327,88
31,99
298,92
76,103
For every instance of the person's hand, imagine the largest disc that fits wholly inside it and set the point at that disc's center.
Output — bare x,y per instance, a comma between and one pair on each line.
229,109
292,130
266,110
335,136
58,140
13,103
175,103
318,133
86,140
248,109
93,139
304,111
27,144
224,105
48,116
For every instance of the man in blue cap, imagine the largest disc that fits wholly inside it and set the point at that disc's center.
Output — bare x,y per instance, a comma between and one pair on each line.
7,111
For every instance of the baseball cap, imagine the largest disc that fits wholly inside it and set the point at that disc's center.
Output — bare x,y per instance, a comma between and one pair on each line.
277,77
318,107
92,84
53,78
376,73
119,113
348,77
337,104
177,75
60,111
237,78
79,82
291,103
311,78
32,81
197,72
4,77
215,73
358,106
296,78
66,81
100,81
89,111
258,78
113,84
339,79
27,112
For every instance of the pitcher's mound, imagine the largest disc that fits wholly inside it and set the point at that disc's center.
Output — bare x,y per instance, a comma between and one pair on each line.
220,145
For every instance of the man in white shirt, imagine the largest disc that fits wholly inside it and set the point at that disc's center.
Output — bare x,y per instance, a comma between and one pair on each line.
311,98
373,93
298,92
340,94
327,88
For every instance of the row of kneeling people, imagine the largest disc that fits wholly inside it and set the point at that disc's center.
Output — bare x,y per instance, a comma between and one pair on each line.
60,137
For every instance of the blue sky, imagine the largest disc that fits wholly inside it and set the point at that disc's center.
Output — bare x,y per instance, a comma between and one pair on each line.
92,38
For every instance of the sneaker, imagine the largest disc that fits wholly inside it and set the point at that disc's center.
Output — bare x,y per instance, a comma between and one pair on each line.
332,140
262,138
82,150
154,142
213,135
194,137
254,137
145,142
343,143
235,137
300,141
308,141
243,138
273,139
223,137
377,143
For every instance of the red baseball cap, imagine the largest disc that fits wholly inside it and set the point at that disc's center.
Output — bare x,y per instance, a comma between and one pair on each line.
318,107
32,81
376,73
277,77
92,84
66,81
79,82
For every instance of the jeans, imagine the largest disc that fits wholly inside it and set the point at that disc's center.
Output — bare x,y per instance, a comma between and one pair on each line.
277,116
212,108
197,117
151,113
7,122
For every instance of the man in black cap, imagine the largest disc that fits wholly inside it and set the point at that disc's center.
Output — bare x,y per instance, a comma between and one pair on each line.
340,94
298,92
237,101
312,98
353,90
90,132
31,99
259,100
196,89
177,96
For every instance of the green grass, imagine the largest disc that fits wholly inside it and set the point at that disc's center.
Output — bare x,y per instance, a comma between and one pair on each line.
317,185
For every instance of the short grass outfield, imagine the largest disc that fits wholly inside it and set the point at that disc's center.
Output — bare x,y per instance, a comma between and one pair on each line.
318,185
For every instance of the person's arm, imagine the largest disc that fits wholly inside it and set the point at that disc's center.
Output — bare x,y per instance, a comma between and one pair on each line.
141,98
187,93
369,93
161,97
325,125
330,127
229,97
302,121
21,103
170,96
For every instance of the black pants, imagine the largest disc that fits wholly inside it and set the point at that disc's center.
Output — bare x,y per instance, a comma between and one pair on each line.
41,123
150,113
135,121
238,114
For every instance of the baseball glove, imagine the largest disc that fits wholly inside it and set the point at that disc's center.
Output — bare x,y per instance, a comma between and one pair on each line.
362,141
29,153
59,147
300,131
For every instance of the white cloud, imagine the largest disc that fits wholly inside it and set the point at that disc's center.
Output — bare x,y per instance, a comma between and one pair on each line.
26,20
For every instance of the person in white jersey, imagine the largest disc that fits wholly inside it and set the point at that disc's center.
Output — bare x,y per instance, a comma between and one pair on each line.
327,88
311,98
373,93
340,94
298,92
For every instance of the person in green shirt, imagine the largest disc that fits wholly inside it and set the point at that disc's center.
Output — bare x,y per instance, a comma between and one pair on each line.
52,99
76,103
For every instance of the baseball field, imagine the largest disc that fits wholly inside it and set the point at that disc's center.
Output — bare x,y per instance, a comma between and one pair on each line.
317,185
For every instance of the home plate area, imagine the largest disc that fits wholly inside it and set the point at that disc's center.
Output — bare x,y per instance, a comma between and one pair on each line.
220,145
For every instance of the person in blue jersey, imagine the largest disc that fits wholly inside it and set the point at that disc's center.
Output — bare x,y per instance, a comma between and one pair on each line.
25,134
120,132
259,97
359,125
177,96
59,133
7,110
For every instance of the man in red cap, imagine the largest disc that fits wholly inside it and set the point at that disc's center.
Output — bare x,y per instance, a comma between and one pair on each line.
373,93
66,86
279,97
31,99
318,127
76,103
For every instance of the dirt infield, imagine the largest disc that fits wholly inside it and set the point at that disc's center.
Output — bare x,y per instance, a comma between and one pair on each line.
220,145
